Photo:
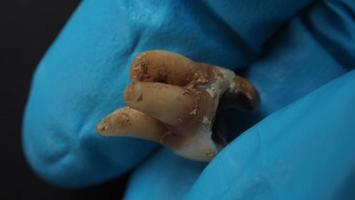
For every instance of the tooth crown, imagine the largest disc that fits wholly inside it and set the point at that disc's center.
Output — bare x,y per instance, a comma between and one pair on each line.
173,101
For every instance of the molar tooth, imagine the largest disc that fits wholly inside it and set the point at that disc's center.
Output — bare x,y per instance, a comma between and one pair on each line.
172,101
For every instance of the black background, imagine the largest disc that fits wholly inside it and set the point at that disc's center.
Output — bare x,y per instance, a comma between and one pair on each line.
27,28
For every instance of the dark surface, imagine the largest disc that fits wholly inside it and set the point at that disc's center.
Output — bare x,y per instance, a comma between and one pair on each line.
28,27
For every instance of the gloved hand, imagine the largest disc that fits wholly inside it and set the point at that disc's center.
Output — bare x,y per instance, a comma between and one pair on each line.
298,54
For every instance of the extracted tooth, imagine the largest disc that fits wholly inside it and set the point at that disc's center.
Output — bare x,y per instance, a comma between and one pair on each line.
173,101
131,123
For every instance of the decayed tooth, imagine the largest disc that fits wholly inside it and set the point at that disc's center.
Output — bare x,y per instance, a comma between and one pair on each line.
173,100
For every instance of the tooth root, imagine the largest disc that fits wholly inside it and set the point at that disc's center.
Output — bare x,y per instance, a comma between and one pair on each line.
164,66
167,103
129,122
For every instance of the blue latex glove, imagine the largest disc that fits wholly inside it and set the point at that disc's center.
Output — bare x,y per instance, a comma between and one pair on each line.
303,149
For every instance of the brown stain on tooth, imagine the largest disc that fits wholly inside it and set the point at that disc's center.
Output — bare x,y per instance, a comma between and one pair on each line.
124,119
165,67
101,127
140,98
